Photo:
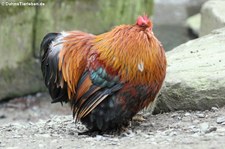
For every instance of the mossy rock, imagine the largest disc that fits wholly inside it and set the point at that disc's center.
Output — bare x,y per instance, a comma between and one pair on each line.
19,71
16,37
22,80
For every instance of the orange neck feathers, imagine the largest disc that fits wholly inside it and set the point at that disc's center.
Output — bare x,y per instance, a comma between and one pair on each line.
134,52
73,57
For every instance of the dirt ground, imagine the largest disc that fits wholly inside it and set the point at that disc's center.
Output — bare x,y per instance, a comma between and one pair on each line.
33,122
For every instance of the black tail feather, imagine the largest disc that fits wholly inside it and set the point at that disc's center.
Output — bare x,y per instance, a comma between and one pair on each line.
49,67
47,40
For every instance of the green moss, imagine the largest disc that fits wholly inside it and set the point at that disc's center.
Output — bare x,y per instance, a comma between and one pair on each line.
16,39
7,75
22,80
7,11
122,12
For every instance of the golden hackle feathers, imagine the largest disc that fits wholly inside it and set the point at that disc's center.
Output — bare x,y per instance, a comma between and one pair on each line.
72,58
134,52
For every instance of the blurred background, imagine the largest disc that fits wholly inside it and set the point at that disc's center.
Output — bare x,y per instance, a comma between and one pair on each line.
23,27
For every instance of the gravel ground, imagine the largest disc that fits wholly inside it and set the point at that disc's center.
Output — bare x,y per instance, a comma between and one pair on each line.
32,122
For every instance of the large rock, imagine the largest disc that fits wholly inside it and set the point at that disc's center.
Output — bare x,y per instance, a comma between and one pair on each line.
24,79
196,75
213,16
173,12
19,71
194,23
16,33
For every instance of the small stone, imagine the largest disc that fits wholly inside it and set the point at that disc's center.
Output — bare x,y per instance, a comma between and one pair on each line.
214,109
179,118
220,120
2,116
173,134
187,114
114,143
193,129
200,115
71,133
193,23
174,115
196,121
211,129
99,138
151,133
204,127
44,135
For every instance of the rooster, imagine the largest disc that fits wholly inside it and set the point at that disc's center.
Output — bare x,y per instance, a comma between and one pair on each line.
106,78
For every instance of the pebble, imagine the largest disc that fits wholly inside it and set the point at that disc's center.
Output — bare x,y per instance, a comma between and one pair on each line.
2,116
173,134
214,109
99,138
196,121
187,114
211,129
179,118
71,133
1,144
151,133
194,129
220,120
200,115
174,115
204,127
